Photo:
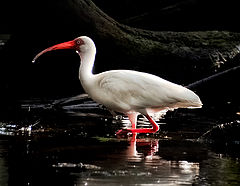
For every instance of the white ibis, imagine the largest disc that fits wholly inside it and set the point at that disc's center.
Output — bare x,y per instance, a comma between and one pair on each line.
127,91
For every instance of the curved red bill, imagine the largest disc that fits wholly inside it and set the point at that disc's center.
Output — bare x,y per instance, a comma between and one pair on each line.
65,45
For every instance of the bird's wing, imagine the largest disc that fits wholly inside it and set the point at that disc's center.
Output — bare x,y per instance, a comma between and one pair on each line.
139,90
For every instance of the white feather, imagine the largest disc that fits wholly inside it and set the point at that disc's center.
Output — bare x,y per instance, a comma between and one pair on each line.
126,90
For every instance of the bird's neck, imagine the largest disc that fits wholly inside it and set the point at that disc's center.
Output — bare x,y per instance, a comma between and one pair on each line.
86,66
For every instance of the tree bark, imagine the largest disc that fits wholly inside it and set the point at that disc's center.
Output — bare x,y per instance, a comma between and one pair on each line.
187,51
181,57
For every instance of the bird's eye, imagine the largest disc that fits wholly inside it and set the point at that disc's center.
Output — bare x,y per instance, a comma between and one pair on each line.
78,42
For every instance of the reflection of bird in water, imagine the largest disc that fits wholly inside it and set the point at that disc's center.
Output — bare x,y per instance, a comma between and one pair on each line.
143,148
127,91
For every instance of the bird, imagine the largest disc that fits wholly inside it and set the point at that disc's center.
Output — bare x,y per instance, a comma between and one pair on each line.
127,91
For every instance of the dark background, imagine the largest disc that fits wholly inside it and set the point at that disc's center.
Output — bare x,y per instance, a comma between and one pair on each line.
44,137
34,26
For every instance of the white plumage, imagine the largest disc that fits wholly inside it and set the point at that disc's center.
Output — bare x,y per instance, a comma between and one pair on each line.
127,91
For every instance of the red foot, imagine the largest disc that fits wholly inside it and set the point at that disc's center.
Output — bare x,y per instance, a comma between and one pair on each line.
122,132
142,131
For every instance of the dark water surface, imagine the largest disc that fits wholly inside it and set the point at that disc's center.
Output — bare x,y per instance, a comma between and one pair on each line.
104,161
81,149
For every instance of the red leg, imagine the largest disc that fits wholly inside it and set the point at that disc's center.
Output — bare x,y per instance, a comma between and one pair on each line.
154,128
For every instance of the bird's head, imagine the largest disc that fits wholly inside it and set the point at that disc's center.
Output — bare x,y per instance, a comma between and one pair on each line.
81,44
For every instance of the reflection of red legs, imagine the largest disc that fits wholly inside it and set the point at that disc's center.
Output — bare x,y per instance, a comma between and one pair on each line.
133,119
145,146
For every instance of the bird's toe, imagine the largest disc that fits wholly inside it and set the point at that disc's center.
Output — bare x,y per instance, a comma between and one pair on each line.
123,132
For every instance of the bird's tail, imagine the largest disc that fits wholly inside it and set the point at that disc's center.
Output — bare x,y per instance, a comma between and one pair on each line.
190,100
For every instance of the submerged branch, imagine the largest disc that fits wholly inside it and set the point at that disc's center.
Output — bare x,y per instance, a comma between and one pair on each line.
203,49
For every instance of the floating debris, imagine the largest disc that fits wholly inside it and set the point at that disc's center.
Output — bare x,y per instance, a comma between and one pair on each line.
76,165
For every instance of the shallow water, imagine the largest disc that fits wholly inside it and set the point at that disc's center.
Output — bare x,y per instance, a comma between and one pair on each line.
42,160
46,147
